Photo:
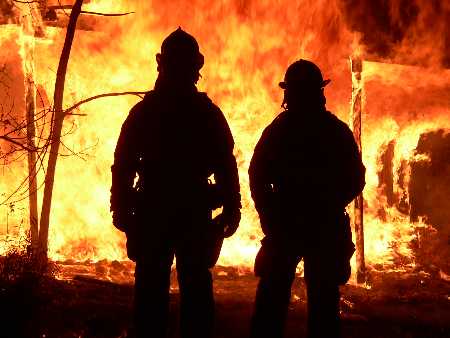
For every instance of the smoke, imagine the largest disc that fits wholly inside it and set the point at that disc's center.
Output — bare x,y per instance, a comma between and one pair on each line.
404,31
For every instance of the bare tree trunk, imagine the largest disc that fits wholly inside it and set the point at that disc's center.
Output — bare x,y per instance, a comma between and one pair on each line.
29,29
55,135
355,122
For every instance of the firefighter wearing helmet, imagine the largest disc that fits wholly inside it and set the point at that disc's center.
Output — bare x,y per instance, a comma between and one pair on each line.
170,145
305,170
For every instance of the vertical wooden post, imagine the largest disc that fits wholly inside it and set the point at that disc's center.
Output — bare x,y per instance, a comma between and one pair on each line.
355,123
32,26
32,173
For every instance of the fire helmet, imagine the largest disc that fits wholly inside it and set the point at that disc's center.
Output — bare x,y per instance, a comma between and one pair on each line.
180,49
303,74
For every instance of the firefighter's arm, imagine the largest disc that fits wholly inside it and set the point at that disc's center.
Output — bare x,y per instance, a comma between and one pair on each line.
123,171
227,177
357,170
353,180
260,181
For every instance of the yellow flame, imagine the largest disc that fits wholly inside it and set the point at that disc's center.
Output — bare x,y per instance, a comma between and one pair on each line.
247,49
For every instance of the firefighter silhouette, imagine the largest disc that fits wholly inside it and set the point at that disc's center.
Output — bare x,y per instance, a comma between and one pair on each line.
170,144
305,170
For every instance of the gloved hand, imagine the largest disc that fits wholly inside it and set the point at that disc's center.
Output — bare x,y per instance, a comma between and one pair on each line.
229,221
127,222
122,220
270,220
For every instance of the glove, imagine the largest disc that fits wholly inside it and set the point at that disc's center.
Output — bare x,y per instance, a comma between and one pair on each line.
215,240
126,222
228,220
120,220
269,219
345,250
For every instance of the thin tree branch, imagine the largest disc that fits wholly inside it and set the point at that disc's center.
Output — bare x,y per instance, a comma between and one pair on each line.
40,159
11,140
64,7
26,2
68,110
106,14
76,114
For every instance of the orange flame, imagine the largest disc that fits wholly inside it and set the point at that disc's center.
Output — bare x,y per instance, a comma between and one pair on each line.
247,46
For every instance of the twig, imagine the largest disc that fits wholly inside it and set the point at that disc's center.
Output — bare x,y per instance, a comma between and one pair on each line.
76,114
68,110
26,2
11,140
106,14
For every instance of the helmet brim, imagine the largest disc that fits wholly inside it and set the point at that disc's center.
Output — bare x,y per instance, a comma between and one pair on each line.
284,84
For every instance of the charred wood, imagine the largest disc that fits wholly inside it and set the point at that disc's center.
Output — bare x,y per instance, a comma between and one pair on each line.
355,122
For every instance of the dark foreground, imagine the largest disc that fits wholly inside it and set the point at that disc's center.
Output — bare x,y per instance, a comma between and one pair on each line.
396,305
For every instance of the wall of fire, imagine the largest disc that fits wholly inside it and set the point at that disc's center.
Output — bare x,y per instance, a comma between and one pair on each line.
406,116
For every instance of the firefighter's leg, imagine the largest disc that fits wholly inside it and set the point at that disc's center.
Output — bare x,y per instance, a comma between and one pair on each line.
196,293
276,268
323,298
151,298
194,276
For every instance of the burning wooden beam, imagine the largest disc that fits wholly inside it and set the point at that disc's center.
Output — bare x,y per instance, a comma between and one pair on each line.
355,123
29,17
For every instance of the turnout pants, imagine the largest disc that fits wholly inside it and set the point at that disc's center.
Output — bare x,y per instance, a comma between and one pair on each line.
276,266
326,251
188,241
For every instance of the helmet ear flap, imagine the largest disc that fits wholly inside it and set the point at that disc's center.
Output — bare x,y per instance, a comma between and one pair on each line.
158,61
200,61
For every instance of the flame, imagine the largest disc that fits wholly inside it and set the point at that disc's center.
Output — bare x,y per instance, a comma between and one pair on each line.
247,47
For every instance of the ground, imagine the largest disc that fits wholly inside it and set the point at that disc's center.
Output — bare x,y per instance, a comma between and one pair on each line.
394,304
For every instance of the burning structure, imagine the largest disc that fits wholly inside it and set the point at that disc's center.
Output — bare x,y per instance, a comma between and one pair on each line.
400,80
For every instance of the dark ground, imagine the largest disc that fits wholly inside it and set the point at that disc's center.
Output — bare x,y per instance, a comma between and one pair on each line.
396,305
